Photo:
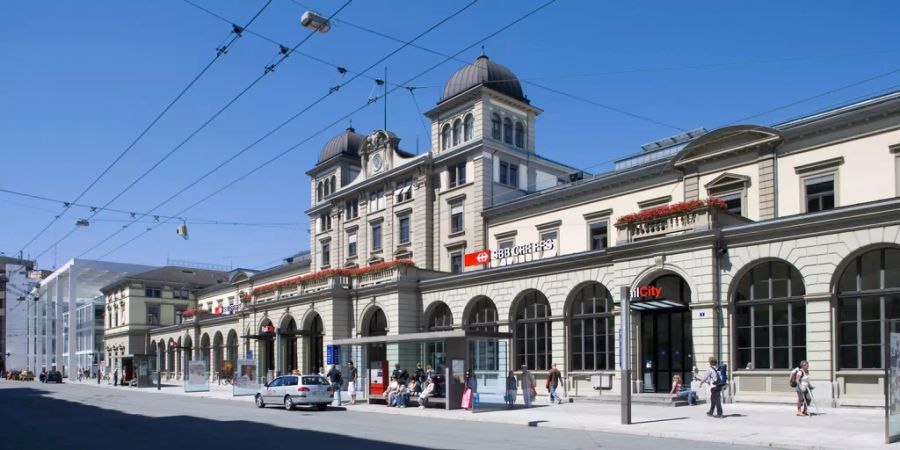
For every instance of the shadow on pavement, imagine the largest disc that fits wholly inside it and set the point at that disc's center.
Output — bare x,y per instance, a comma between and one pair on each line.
28,419
658,420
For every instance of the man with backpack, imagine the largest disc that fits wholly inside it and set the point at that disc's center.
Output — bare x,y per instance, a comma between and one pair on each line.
337,380
717,377
800,382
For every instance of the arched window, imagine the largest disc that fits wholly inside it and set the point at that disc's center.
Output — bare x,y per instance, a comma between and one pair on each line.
232,343
320,192
770,317
483,316
445,137
457,131
468,127
868,294
533,332
495,126
440,319
591,329
507,131
333,184
377,325
520,135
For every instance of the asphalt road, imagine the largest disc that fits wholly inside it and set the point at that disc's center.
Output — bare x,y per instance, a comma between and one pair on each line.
81,416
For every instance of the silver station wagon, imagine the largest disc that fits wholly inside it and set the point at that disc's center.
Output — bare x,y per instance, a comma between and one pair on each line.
293,390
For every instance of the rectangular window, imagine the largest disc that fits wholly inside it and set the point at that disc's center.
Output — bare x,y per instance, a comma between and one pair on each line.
153,293
181,294
324,222
351,209
152,314
819,193
326,254
457,173
403,190
456,262
456,217
376,236
509,174
599,235
178,318
733,203
376,200
404,229
554,236
351,244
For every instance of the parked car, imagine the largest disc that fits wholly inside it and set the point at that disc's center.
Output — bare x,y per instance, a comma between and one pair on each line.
292,390
26,375
53,376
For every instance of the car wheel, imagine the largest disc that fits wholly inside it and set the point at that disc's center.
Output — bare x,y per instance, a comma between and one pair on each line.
321,406
259,401
288,403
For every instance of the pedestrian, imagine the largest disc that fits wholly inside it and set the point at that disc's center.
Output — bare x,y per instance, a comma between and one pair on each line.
510,389
426,394
553,382
334,376
469,391
322,371
713,377
678,390
800,382
528,387
98,376
116,377
401,374
351,386
419,377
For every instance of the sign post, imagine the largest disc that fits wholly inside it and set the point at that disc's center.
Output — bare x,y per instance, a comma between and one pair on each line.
624,353
892,381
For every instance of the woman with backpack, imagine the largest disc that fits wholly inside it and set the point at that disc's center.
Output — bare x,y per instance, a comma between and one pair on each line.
800,382
713,377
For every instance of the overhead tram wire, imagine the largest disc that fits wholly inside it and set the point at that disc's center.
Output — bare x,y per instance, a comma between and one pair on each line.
222,50
339,120
284,52
330,92
556,91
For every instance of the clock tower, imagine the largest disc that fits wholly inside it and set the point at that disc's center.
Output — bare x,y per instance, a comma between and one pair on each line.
378,152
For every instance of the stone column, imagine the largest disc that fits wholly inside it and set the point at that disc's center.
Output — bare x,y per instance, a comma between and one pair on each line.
767,193
279,354
819,344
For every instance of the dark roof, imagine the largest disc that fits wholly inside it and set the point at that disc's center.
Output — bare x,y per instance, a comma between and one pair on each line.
347,143
181,276
484,72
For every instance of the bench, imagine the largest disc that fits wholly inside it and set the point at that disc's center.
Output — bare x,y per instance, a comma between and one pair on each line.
433,402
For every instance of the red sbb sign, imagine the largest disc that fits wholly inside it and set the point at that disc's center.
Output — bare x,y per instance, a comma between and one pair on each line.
218,310
477,258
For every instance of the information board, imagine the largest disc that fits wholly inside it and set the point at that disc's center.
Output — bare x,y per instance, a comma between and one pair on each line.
244,378
892,375
198,377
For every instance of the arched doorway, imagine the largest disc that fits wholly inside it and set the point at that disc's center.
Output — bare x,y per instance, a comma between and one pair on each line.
218,356
315,336
205,348
667,346
591,325
170,358
375,324
187,354
267,349
533,334
288,340
484,354
232,345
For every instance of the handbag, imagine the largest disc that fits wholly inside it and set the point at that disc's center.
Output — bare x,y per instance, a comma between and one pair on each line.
533,392
467,399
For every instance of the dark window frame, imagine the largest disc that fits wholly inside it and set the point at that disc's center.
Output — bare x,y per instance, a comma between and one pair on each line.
591,319
533,332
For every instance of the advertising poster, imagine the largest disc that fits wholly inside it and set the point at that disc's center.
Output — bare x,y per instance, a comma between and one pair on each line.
893,388
245,378
198,377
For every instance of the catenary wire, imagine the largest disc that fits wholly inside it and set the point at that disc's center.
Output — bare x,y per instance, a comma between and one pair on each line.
283,124
268,69
219,52
339,120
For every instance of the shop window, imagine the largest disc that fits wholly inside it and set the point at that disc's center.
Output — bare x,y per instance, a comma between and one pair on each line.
592,329
868,295
598,235
509,174
533,333
819,193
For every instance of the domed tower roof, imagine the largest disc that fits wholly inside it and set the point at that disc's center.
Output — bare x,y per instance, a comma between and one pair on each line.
346,143
486,72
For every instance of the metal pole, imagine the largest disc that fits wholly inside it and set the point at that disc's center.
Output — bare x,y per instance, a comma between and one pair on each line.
625,359
158,369
385,97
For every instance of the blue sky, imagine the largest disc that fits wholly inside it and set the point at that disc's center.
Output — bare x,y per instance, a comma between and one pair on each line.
80,80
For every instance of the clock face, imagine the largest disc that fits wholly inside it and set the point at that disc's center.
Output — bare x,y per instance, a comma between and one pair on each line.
377,162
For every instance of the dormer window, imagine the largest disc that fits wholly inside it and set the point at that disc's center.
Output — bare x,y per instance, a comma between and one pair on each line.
507,131
495,126
457,132
468,127
520,135
445,137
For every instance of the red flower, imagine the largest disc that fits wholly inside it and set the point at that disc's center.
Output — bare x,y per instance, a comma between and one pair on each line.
671,210
329,273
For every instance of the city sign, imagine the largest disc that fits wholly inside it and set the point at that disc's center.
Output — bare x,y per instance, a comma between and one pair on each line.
486,256
647,291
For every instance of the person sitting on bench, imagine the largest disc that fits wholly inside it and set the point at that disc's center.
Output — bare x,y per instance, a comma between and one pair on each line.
426,394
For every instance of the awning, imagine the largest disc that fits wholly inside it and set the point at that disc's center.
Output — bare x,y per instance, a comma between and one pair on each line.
421,337
650,305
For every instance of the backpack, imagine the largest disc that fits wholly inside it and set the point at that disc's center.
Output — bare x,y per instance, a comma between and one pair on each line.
722,375
794,378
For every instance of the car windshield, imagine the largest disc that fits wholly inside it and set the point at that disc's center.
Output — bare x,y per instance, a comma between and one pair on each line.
315,381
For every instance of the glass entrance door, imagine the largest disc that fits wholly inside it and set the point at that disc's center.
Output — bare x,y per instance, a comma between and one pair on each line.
666,348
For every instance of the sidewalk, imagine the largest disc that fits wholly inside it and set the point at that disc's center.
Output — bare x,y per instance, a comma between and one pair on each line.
745,424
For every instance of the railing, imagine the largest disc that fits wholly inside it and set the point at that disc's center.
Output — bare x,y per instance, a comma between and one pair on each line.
700,219
379,276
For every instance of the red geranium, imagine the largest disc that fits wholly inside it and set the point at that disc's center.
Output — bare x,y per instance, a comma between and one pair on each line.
329,273
671,210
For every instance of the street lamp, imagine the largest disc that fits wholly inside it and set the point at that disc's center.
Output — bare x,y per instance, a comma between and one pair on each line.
315,21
